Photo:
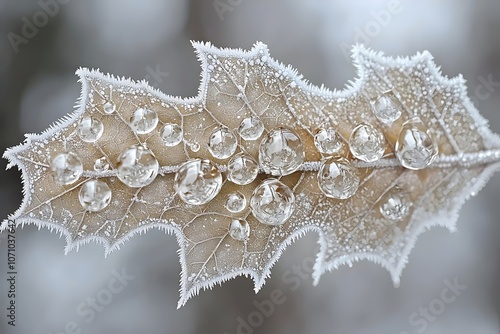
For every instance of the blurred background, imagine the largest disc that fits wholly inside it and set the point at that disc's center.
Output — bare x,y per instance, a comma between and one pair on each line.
150,39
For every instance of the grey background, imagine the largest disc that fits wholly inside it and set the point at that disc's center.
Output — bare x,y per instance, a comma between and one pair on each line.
134,37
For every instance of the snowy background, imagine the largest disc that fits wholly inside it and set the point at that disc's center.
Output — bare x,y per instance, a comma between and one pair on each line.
148,39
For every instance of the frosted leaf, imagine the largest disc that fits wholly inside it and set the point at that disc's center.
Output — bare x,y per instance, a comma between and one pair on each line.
375,223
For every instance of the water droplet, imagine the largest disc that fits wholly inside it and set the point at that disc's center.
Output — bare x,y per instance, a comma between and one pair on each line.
222,143
239,229
338,178
395,204
90,129
143,121
242,169
415,147
251,128
197,181
101,165
94,195
327,141
137,166
386,109
235,202
281,152
272,202
194,146
171,134
367,143
109,107
66,168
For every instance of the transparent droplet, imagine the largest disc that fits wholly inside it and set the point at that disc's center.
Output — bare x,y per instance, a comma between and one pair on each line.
222,143
94,195
338,178
242,169
239,229
327,141
415,147
90,129
101,165
66,168
171,134
109,107
137,166
272,202
197,181
251,128
194,146
386,109
281,152
236,202
143,121
367,143
395,204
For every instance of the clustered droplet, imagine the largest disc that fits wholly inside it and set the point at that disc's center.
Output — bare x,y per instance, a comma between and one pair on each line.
222,143
197,181
143,121
66,168
386,108
251,128
137,166
272,202
281,152
338,178
171,134
328,141
94,195
367,143
242,169
235,202
415,147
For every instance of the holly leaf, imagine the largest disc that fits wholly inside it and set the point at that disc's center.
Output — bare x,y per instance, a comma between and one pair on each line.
236,85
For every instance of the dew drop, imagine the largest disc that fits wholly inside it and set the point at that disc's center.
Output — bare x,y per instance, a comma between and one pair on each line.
242,169
367,143
415,147
101,164
109,107
197,181
66,168
327,141
281,152
235,202
251,128
171,134
143,121
239,229
395,204
272,202
137,166
222,143
386,109
90,129
94,195
338,178
194,146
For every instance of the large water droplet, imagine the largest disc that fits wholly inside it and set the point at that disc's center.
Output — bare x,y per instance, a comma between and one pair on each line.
327,141
66,168
235,202
197,181
143,121
239,229
222,143
272,202
415,147
251,128
395,204
101,165
90,129
94,195
242,169
281,152
171,134
137,166
109,107
338,178
386,109
367,143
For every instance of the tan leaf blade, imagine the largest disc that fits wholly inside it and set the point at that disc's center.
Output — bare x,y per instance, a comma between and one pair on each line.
236,84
